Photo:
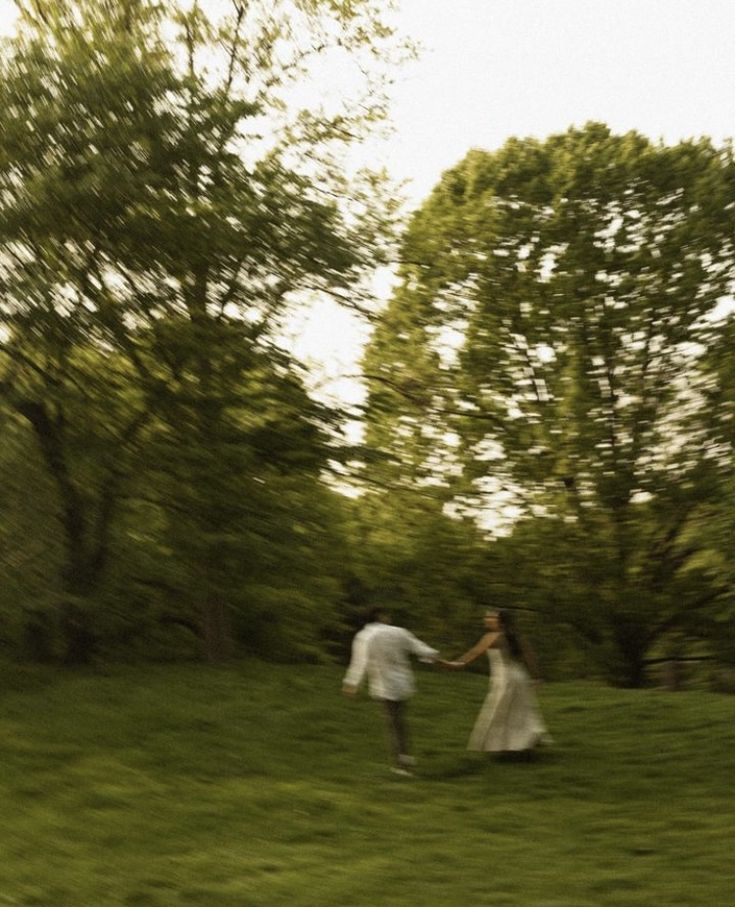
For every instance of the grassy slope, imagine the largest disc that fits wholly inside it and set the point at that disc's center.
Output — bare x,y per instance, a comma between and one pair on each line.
260,785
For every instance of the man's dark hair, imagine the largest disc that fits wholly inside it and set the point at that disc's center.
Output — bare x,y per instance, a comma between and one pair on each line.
375,614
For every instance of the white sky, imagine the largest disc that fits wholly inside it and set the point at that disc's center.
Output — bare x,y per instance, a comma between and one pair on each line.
492,69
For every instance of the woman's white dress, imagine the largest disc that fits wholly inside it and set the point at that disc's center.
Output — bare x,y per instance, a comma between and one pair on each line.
509,719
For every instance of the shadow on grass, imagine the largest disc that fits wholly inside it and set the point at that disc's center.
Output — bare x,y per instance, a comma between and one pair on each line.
449,767
446,768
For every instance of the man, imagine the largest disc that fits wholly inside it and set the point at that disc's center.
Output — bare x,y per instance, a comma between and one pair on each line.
384,653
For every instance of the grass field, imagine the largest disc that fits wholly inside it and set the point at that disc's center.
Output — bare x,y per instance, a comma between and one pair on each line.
260,785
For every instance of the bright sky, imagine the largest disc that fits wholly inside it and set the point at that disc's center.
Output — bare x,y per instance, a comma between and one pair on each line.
492,69
498,68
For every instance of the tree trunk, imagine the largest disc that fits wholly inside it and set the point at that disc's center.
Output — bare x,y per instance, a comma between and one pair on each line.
83,567
79,640
631,647
216,638
635,670
38,636
80,581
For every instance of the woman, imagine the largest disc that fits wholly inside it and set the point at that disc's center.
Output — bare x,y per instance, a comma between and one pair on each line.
509,720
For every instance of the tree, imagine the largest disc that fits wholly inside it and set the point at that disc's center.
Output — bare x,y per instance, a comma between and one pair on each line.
165,200
30,554
548,338
402,553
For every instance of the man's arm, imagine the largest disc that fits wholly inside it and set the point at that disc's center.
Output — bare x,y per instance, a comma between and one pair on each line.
420,649
358,665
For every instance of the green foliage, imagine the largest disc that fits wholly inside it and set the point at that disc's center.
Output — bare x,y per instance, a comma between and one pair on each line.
165,202
30,550
556,345
403,554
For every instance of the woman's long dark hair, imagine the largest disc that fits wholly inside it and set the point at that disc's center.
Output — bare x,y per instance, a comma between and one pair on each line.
507,625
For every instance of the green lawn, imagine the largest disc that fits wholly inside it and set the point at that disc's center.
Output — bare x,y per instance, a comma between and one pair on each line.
261,785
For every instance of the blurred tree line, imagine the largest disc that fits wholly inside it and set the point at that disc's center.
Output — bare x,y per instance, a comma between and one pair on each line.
165,204
561,342
549,419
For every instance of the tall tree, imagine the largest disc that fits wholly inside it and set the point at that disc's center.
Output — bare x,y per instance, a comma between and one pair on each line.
29,545
166,197
548,338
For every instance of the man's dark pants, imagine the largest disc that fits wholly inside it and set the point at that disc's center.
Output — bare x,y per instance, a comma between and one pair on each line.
395,713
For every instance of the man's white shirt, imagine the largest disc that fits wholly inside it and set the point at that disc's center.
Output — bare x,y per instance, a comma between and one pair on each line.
384,653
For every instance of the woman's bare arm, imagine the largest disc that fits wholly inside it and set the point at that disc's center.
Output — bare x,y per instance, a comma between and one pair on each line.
478,649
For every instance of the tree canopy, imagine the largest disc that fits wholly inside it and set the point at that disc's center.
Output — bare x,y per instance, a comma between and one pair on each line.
559,303
166,198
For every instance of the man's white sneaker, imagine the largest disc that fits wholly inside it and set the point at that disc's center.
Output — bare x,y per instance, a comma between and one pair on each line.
404,772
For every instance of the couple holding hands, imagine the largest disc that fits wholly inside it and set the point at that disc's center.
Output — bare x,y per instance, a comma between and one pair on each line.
509,720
